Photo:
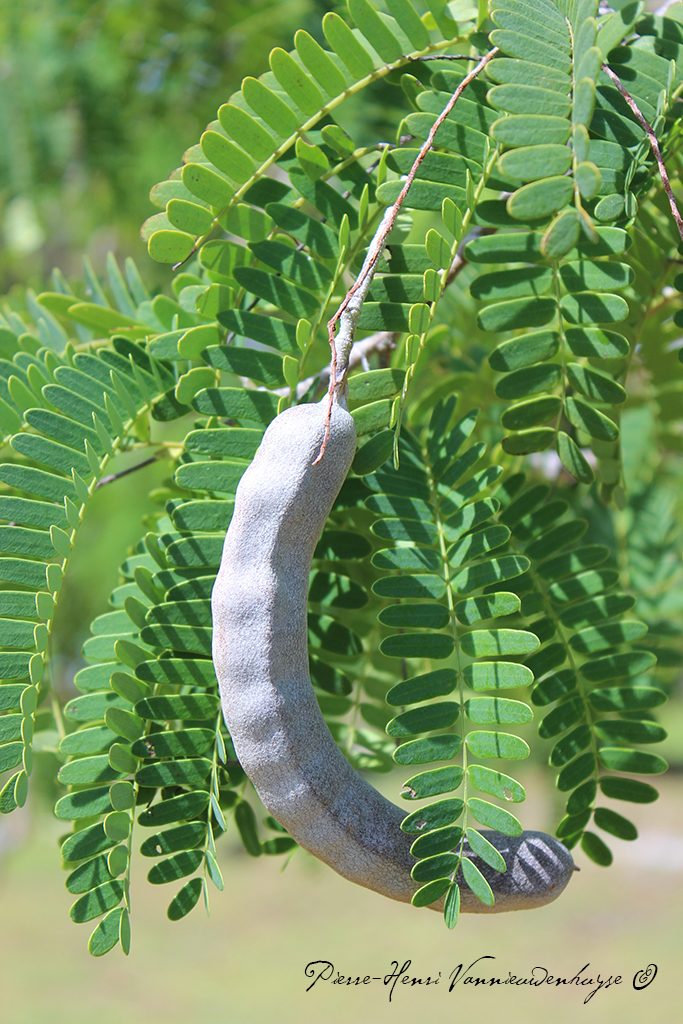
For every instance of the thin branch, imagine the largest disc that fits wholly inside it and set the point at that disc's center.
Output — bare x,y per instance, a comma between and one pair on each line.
453,56
124,472
381,341
647,127
349,311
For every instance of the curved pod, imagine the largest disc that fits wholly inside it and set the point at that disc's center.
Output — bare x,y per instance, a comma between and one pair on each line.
261,657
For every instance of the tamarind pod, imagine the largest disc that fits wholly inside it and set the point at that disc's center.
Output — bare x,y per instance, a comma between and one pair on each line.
260,654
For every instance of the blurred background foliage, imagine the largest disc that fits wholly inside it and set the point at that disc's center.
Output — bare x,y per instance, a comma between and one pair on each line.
98,101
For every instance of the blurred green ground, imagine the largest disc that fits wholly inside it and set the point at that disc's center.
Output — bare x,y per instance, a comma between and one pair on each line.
245,965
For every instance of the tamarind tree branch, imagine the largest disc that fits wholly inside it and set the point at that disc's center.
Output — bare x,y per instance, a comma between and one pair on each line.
349,311
654,143
124,472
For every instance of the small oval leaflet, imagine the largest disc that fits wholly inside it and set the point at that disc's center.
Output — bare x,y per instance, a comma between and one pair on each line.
571,744
424,719
488,710
628,789
436,815
432,684
432,783
185,900
486,780
639,762
418,645
181,706
608,820
434,748
476,881
184,837
175,867
483,743
482,847
95,902
439,840
487,642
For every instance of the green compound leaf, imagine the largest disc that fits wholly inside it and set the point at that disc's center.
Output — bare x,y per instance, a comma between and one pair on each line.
616,665
440,840
573,824
516,313
532,162
88,876
626,698
576,771
177,808
572,458
524,415
497,675
540,198
582,798
180,706
593,422
488,606
597,638
524,350
530,129
530,380
452,906
595,343
431,616
418,645
562,717
570,745
490,642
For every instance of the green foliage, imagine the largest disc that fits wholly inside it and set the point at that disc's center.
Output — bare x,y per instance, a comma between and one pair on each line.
519,560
